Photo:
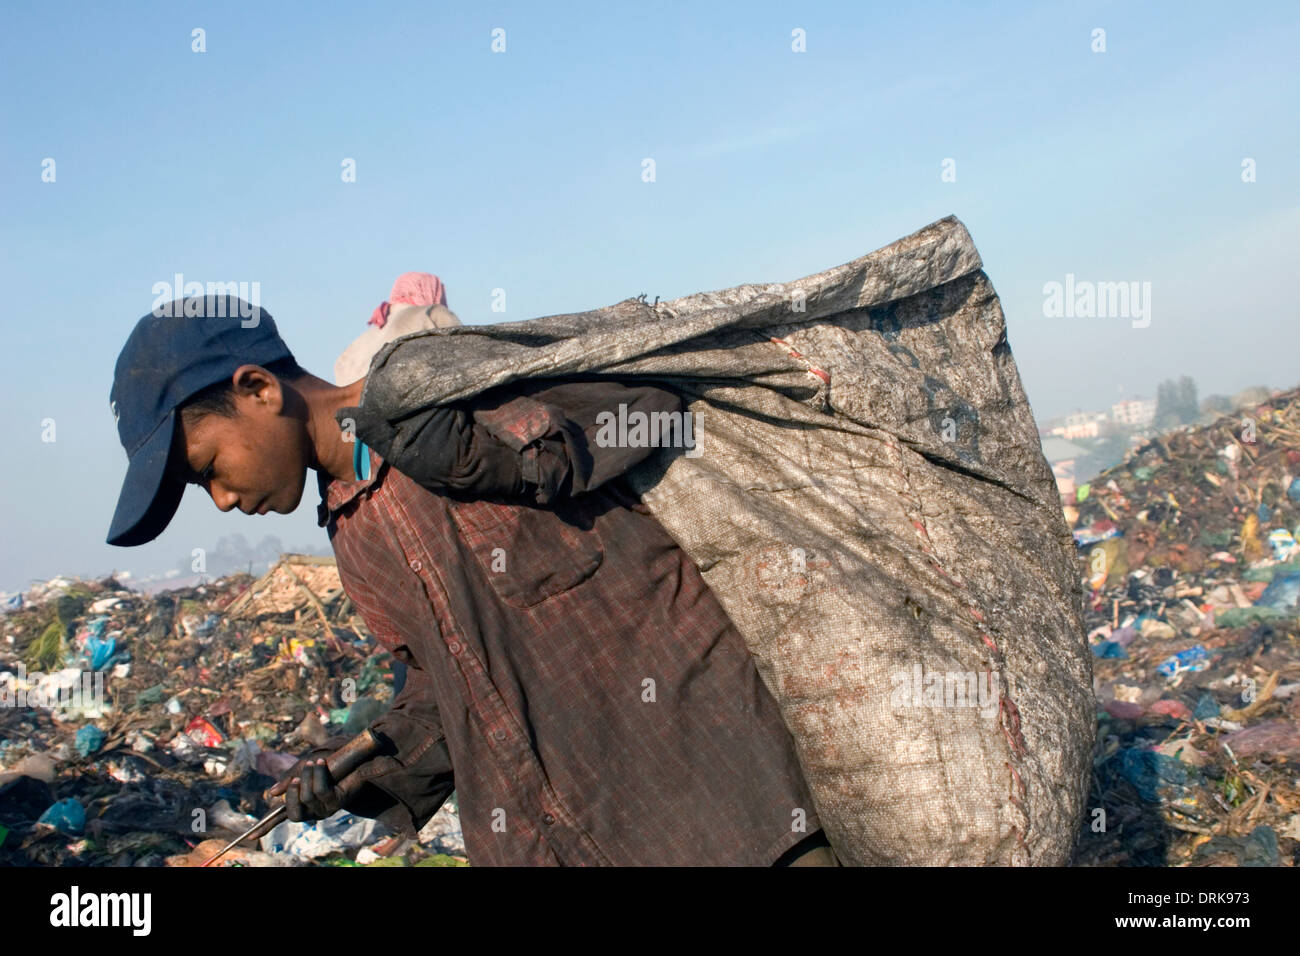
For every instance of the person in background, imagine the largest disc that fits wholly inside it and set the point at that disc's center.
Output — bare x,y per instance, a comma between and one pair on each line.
418,302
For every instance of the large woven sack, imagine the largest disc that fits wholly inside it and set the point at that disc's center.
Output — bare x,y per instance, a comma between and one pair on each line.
870,503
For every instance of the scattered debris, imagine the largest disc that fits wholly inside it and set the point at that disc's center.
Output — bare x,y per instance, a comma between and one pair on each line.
143,729
1188,551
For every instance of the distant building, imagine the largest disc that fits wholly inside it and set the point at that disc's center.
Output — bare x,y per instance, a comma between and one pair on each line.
1081,425
1135,412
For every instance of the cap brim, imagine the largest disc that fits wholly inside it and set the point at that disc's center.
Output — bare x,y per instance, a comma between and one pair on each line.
149,495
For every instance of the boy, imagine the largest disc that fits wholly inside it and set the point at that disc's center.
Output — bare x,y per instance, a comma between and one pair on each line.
563,653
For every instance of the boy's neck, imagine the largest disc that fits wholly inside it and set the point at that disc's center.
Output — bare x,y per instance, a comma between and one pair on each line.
331,454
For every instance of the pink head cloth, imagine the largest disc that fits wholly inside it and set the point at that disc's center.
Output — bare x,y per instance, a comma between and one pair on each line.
411,288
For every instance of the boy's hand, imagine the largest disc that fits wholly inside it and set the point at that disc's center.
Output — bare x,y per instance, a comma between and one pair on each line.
309,791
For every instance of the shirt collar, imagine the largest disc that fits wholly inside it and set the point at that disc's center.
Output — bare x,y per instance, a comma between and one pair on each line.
336,494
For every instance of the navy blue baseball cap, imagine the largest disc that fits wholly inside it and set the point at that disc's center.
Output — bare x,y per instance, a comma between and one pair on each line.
178,349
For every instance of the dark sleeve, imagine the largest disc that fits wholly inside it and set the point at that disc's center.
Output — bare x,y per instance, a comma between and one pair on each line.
405,787
535,442
423,777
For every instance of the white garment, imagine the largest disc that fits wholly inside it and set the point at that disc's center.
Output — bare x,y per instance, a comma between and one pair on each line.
354,363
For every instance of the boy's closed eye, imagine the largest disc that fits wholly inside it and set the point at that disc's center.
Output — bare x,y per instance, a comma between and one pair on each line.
192,477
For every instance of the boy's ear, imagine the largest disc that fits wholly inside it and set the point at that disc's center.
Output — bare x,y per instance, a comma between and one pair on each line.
254,380
250,378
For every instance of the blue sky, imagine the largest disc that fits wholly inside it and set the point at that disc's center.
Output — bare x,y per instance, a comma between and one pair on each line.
522,170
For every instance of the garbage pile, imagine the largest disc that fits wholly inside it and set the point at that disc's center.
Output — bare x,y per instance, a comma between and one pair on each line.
142,730
1189,554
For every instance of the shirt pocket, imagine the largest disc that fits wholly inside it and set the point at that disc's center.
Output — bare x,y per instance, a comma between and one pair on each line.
529,554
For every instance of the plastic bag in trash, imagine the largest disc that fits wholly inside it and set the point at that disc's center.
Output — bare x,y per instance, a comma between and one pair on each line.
309,841
1206,708
203,733
1193,659
89,739
244,760
273,764
184,748
1258,848
96,626
1123,636
1282,593
1151,773
1282,543
97,647
443,833
67,816
100,651
1101,531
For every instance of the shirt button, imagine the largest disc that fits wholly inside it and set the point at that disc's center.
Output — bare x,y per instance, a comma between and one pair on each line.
415,565
454,647
499,734
548,819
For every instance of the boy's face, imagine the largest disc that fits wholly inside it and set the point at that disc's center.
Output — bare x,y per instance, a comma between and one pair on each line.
257,461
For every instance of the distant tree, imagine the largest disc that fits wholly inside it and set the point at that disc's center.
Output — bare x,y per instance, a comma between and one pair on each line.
1176,403
1187,404
1166,406
233,553
1216,405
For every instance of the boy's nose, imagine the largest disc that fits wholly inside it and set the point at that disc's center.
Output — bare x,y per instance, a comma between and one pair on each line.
223,499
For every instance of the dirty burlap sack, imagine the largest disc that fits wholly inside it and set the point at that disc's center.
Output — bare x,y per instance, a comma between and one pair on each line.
869,501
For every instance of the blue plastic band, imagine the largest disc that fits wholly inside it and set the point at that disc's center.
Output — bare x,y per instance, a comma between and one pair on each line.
361,460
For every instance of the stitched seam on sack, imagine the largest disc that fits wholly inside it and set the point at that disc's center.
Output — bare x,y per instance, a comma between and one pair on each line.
818,375
1008,713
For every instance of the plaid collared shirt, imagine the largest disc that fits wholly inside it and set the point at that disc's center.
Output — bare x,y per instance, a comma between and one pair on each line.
569,662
